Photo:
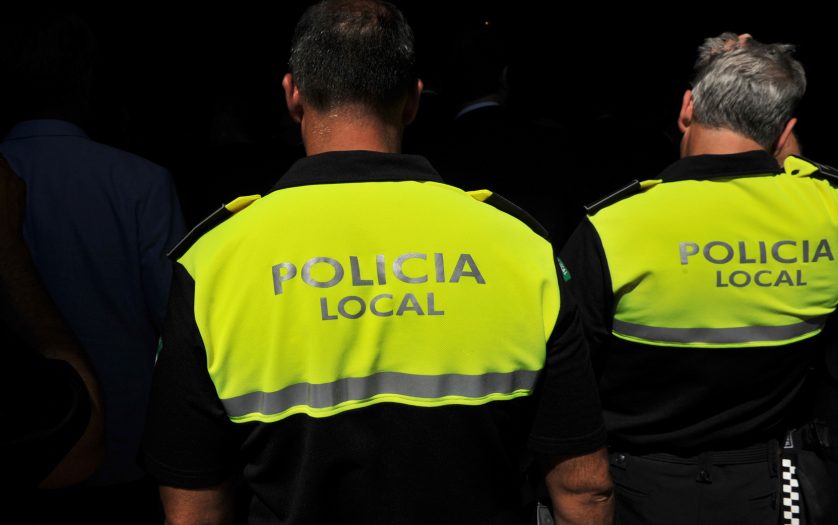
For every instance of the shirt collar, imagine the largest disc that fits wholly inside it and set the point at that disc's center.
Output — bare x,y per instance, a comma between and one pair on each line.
702,167
44,128
357,166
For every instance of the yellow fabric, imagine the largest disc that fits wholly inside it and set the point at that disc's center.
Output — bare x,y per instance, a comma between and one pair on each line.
798,167
241,203
261,337
730,229
480,195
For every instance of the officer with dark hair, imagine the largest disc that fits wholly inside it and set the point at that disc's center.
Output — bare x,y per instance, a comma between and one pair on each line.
367,344
706,293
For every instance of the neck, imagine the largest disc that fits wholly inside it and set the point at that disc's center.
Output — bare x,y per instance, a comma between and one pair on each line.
702,140
345,129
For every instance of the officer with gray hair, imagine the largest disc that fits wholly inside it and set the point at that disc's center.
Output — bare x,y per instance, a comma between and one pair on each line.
705,292
745,87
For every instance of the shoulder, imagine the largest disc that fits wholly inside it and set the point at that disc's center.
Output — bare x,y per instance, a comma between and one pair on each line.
802,167
508,207
634,187
127,162
216,218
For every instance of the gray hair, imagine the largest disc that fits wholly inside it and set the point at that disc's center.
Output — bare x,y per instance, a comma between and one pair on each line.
747,86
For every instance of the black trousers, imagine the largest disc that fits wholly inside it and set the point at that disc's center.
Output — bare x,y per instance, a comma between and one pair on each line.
706,490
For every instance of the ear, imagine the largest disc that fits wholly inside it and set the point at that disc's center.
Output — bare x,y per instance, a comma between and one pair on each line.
685,118
293,99
411,106
784,139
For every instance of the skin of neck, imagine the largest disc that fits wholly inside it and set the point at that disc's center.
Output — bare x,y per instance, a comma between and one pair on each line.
702,140
349,127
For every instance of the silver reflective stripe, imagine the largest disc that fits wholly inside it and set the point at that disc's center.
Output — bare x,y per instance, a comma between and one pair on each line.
360,388
744,334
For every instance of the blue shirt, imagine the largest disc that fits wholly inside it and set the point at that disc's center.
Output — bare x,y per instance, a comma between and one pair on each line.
98,224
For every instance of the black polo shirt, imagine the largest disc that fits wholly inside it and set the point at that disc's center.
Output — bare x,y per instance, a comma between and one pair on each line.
686,400
385,463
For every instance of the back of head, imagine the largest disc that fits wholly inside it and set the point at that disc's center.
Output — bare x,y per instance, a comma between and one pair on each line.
358,52
747,86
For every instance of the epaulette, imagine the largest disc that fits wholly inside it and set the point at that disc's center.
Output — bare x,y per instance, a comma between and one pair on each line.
214,219
803,167
632,188
507,206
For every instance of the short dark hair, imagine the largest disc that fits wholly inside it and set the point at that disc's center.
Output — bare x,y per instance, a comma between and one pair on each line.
353,51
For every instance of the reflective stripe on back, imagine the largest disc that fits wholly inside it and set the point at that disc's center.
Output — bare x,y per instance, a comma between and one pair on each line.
332,398
739,336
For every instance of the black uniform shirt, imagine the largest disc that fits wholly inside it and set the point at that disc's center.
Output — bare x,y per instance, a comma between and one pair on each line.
685,400
385,463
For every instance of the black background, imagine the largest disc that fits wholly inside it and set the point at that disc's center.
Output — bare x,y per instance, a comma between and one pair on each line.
164,70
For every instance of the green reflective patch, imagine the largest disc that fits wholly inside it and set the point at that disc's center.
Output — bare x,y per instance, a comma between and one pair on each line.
564,270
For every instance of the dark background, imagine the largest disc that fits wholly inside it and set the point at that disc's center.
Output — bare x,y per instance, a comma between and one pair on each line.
171,79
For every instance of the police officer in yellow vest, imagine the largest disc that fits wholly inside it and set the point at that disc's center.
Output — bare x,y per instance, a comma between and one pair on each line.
367,344
704,292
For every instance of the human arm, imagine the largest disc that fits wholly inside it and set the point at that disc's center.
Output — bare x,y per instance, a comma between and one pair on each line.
160,227
569,433
580,489
189,445
206,506
590,285
32,319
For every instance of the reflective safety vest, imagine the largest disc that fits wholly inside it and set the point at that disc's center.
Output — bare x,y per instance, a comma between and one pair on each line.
747,261
325,298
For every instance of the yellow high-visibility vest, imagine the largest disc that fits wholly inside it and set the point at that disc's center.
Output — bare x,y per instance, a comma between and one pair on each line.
758,268
325,298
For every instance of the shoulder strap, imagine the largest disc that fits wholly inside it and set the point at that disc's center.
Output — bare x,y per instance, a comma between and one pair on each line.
802,167
214,219
632,188
509,207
